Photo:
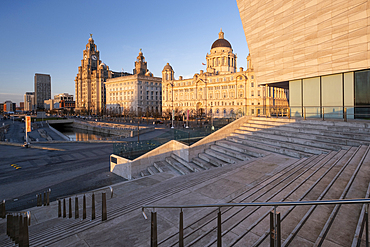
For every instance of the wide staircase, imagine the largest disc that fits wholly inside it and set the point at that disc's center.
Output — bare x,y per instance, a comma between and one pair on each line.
266,160
261,136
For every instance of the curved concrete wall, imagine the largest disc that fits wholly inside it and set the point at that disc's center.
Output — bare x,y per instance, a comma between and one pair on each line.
295,39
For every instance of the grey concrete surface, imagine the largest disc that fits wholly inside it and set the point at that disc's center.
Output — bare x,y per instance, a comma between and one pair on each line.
80,167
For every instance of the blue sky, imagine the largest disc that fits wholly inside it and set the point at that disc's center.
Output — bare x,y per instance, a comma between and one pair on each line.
49,37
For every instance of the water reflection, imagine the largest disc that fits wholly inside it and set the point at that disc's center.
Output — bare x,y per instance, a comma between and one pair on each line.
82,135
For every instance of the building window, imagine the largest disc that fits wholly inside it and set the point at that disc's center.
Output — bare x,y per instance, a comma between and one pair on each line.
252,93
252,84
259,93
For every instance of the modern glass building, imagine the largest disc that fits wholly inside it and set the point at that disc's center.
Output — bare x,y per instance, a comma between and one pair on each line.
319,50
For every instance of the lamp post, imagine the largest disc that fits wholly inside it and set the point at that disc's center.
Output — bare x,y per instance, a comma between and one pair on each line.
172,115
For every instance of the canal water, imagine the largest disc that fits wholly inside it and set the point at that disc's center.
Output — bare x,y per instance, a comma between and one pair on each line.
81,135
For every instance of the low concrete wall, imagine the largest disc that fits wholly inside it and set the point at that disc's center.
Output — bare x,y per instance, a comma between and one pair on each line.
66,138
120,166
125,132
141,163
183,151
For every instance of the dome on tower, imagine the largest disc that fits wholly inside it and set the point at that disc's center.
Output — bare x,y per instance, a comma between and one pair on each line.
167,67
221,42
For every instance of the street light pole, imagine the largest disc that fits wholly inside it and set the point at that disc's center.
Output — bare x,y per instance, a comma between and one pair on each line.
172,108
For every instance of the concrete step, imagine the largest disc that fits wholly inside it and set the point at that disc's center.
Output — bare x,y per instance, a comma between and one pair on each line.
350,212
230,152
178,166
292,132
261,192
128,205
144,173
192,167
201,163
211,160
220,156
259,219
152,170
267,147
163,166
328,128
301,139
250,151
282,142
313,218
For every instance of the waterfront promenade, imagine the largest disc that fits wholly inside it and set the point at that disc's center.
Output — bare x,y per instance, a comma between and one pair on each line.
65,167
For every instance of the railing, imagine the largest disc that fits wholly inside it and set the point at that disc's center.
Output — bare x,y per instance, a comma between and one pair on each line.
322,112
17,227
133,149
275,222
77,215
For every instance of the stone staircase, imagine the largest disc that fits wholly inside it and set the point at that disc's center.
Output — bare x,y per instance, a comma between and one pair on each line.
261,136
336,175
280,162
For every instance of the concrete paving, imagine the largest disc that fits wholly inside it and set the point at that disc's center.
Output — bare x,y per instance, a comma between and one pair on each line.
71,168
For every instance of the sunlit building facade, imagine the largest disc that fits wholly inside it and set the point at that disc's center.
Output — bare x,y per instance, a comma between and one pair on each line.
137,93
220,91
319,50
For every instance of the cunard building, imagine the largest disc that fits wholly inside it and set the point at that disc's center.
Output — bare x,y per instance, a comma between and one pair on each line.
222,90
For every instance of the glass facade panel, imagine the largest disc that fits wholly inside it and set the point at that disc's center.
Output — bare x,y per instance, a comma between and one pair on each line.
362,94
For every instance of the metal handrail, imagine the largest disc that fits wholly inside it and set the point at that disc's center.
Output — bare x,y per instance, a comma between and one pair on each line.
274,204
275,219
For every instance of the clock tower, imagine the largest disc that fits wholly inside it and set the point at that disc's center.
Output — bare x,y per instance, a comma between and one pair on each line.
89,82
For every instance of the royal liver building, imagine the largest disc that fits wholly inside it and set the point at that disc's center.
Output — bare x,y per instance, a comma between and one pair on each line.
89,82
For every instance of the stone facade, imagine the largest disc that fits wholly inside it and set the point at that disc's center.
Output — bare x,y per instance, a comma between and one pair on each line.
220,91
136,93
320,50
89,82
42,89
295,39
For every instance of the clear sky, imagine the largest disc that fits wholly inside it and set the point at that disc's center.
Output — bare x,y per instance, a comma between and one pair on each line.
49,37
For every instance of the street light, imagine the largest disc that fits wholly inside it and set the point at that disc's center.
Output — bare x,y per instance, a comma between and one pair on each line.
173,115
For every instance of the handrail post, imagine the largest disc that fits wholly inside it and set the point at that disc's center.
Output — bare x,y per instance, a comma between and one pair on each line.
16,229
104,206
84,208
93,207
304,113
278,231
2,209
26,236
181,229
59,208
367,224
272,244
219,237
289,113
323,114
48,197
70,208
154,242
77,215
20,233
345,114
8,224
44,198
64,208
275,229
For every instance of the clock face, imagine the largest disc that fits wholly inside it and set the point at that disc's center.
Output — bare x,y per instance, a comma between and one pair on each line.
85,57
94,57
